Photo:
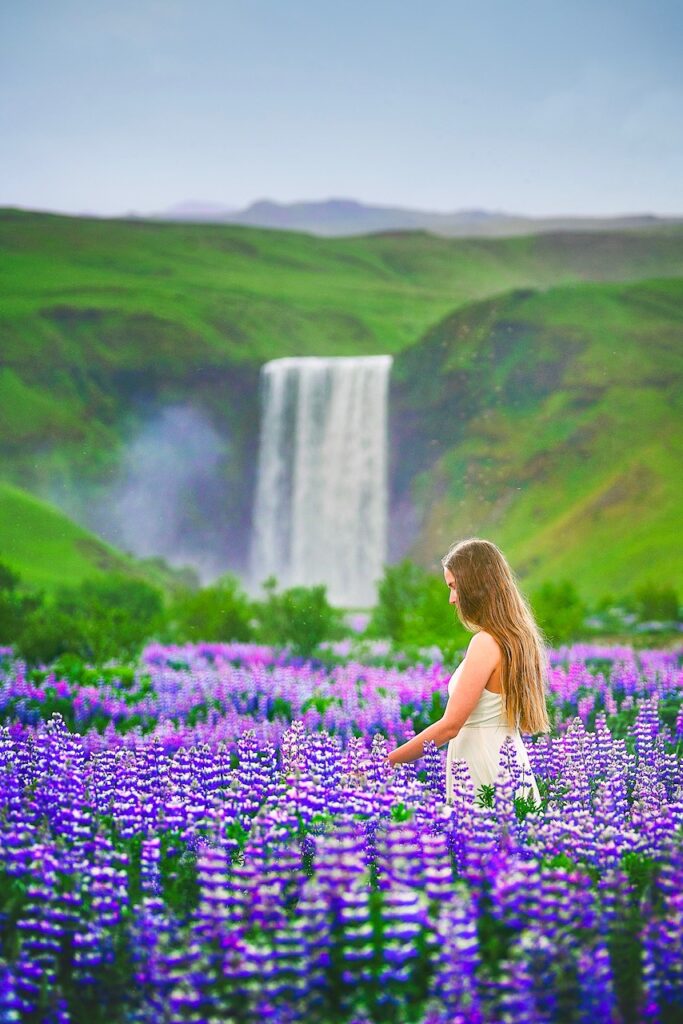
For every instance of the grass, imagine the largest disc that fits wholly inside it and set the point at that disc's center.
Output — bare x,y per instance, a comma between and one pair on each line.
46,548
570,457
540,375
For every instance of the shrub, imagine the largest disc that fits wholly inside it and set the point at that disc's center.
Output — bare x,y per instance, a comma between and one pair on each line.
431,620
559,611
47,634
658,602
219,612
413,610
300,616
397,593
98,619
15,604
9,579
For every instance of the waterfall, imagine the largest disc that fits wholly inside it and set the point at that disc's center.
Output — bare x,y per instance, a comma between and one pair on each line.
320,510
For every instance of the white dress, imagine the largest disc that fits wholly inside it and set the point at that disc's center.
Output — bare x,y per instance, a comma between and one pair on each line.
479,742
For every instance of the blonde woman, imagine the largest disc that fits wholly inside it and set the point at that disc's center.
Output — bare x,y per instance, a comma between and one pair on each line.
499,688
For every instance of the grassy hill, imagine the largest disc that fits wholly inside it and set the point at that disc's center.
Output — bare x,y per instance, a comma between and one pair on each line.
46,548
550,422
100,315
522,367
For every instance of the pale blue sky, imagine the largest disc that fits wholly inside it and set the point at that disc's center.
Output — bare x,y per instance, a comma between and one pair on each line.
529,106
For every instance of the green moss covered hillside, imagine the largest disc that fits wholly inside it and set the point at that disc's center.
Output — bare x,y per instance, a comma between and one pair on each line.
535,396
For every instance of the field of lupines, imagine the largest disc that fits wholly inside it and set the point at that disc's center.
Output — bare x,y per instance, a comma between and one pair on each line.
214,836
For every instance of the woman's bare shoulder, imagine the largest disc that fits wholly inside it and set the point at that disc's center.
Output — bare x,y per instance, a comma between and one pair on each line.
487,641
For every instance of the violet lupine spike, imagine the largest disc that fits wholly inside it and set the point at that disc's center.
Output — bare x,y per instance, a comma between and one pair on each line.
379,771
354,762
177,782
513,892
662,939
457,944
26,983
287,984
311,919
433,764
292,748
509,996
459,823
339,859
324,755
361,942
437,868
398,854
39,943
597,998
150,937
405,923
506,786
481,843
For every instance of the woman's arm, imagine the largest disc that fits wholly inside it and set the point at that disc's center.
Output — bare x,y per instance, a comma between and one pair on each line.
481,658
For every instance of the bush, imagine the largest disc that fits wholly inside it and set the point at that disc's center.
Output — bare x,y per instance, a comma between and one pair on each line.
183,578
653,602
413,610
47,634
9,579
397,593
299,616
98,619
559,611
431,620
15,604
219,612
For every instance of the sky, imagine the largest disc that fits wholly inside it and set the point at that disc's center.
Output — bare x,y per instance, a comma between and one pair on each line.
534,107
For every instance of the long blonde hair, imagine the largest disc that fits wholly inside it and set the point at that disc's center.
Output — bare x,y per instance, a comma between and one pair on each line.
489,599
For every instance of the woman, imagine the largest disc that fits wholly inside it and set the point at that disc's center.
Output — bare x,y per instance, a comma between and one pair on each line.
498,689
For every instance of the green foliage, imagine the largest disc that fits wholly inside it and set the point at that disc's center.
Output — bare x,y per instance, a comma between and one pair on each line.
15,604
47,549
113,616
179,883
219,612
9,580
412,610
559,611
526,307
300,616
138,598
486,795
396,592
183,578
47,634
320,702
432,620
654,601
97,620
525,805
400,812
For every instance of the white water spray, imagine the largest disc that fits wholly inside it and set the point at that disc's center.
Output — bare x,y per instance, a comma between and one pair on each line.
320,510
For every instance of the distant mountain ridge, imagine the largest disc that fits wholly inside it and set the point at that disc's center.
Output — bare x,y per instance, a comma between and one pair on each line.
336,217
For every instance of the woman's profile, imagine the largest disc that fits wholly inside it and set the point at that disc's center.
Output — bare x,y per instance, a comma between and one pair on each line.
499,688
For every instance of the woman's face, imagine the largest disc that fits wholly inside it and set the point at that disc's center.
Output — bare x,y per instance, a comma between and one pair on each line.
450,583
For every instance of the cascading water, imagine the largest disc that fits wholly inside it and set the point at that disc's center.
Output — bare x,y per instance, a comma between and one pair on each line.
320,511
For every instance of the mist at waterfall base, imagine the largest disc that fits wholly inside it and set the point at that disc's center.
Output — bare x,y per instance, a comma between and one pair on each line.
320,504
167,495
320,508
